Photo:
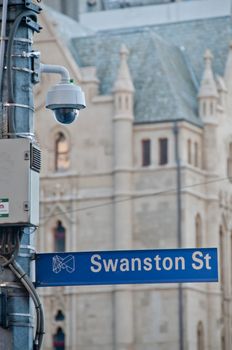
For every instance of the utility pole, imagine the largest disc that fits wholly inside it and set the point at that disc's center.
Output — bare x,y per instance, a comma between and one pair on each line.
20,69
18,72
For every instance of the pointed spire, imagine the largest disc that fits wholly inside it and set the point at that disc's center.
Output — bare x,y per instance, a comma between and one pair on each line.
208,87
123,81
228,69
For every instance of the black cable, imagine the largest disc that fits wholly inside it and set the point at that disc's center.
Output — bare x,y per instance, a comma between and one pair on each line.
12,239
10,244
14,242
25,280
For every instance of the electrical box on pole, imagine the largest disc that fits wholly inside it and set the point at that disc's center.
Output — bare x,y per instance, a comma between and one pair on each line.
19,190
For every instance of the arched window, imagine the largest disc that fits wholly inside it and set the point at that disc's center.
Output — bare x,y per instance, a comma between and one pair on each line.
119,102
59,340
204,108
163,151
220,199
198,231
211,108
230,149
62,161
59,237
189,148
229,163
59,316
146,152
196,154
200,336
127,102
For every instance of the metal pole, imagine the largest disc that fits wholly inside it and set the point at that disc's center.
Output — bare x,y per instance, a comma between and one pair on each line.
16,120
179,231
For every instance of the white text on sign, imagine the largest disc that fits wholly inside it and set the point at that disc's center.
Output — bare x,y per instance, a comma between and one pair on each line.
199,261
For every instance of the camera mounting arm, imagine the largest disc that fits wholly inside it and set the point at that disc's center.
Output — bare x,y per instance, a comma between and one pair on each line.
64,99
56,69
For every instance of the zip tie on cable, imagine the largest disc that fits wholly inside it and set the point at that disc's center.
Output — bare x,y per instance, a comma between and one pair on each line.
22,277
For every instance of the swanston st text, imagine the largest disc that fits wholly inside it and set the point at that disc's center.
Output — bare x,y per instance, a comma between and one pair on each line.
199,261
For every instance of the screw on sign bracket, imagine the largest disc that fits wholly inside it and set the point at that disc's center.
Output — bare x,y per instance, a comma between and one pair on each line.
33,24
31,6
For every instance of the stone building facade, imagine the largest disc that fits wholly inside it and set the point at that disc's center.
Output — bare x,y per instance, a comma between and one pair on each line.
74,8
109,181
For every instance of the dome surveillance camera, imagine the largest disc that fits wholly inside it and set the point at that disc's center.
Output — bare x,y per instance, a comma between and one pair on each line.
65,100
65,115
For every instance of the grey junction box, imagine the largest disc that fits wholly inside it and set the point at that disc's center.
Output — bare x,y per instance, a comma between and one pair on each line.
19,182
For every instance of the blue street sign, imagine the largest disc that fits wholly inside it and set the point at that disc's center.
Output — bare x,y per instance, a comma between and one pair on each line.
127,267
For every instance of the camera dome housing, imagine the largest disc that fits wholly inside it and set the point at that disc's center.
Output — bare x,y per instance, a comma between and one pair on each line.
65,100
65,115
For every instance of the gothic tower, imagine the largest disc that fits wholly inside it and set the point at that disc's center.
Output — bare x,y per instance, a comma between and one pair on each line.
122,168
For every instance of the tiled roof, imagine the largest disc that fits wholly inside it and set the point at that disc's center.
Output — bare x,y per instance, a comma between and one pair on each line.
165,61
